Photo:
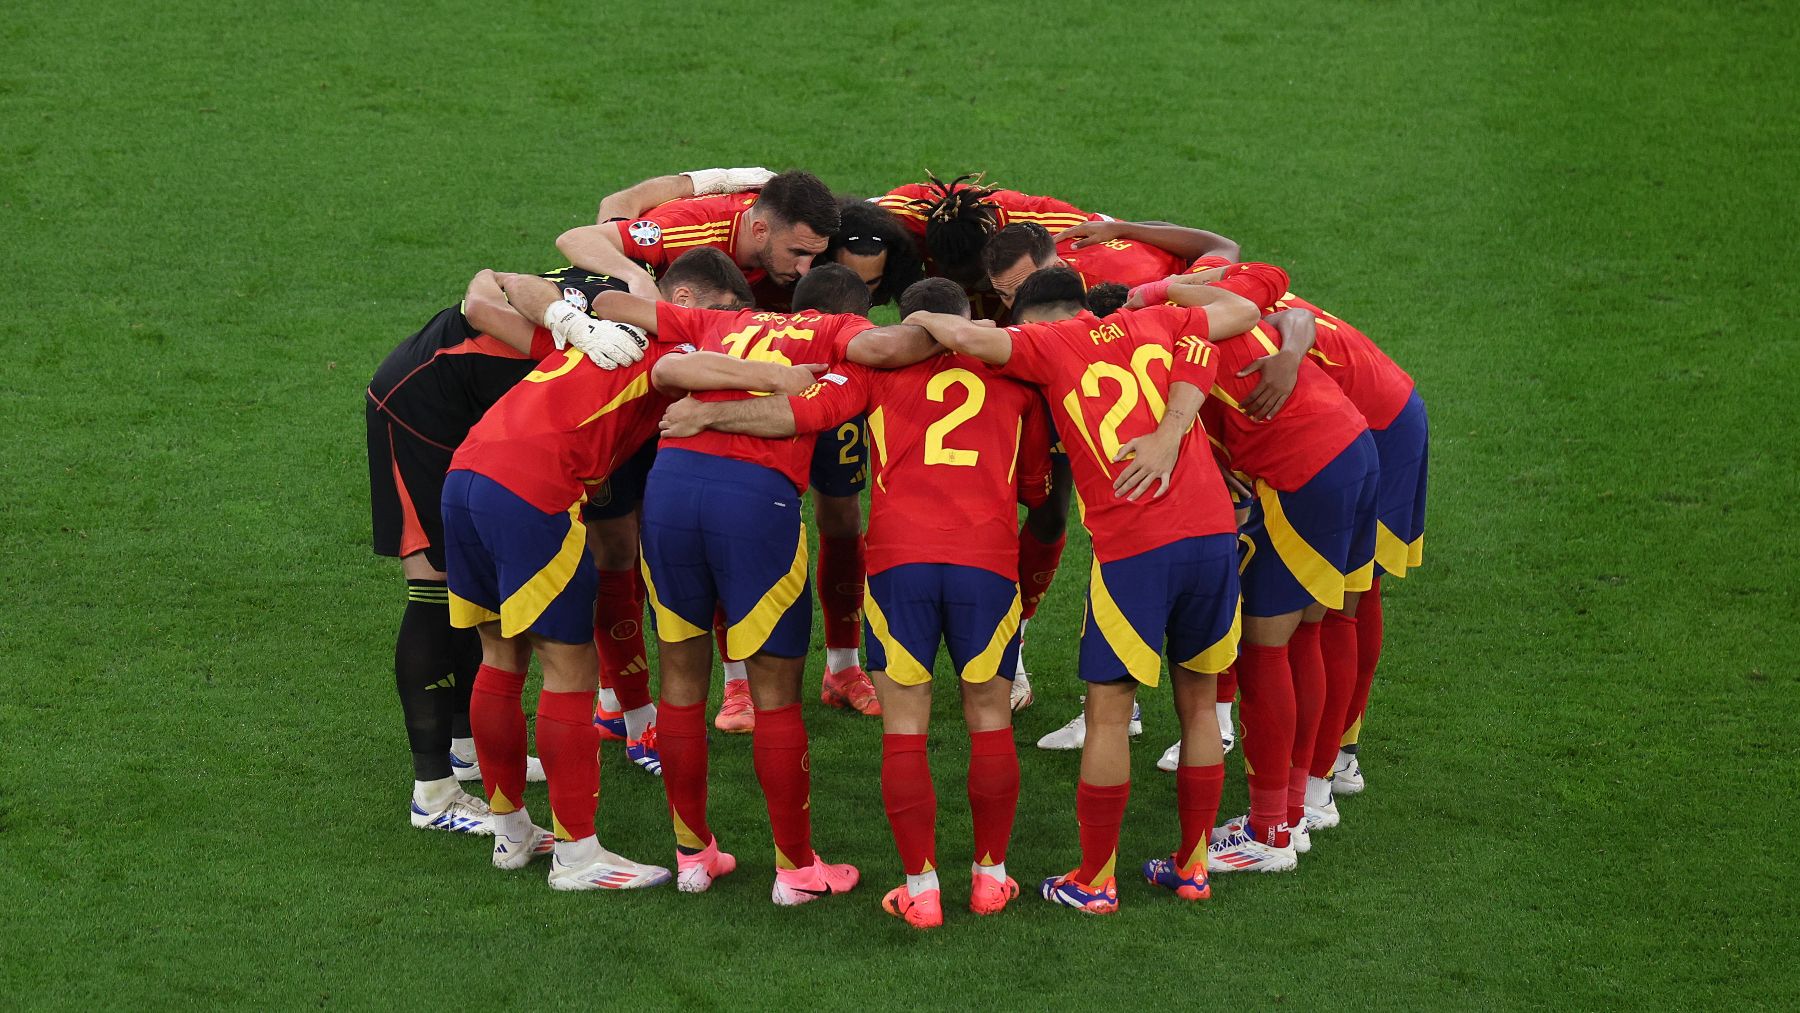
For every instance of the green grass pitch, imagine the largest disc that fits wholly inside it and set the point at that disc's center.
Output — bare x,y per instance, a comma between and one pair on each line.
1573,223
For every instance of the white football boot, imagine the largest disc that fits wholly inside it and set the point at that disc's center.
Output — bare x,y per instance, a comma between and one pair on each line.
459,813
1021,691
1346,775
1234,850
517,840
1171,758
470,769
585,865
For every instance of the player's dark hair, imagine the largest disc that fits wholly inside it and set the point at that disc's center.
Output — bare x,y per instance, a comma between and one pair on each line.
865,230
1020,239
957,222
798,198
831,288
1052,286
707,270
1105,298
934,295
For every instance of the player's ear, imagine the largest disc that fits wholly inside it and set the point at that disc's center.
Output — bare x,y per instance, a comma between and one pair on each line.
682,296
759,231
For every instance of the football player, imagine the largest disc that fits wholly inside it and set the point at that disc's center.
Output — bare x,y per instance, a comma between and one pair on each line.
1125,392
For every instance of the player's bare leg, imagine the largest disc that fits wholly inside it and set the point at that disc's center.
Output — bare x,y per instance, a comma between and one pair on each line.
909,799
1199,781
840,588
783,768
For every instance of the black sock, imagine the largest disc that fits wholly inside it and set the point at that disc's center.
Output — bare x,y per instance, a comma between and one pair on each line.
465,659
424,674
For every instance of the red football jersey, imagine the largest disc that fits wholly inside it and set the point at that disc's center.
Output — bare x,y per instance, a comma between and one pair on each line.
790,339
949,437
1107,382
563,428
1373,382
1314,426
1125,261
668,230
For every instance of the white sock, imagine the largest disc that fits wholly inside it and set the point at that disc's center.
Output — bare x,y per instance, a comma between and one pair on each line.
1318,792
1022,624
637,719
464,749
916,885
839,658
609,701
1224,712
577,853
736,672
995,872
434,795
515,825
1343,760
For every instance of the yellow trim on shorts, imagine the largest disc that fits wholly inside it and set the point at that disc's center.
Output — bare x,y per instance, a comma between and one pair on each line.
670,627
1314,572
1395,556
524,606
903,668
1360,579
984,666
465,614
748,635
1224,651
1141,660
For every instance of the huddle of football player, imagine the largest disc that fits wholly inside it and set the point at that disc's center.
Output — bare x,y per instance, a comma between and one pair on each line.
565,453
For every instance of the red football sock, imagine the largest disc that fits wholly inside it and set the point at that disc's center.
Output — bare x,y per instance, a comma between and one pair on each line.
497,719
569,745
1338,643
681,742
1368,655
619,634
1228,686
1267,713
993,792
778,747
1037,568
841,589
1197,793
1100,809
1307,661
911,804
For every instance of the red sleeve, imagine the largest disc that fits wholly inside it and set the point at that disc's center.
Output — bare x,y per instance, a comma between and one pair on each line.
1027,206
543,344
841,328
838,397
642,238
1262,284
1196,362
1028,361
1186,330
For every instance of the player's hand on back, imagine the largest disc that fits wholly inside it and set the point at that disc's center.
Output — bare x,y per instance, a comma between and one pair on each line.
1089,233
686,417
799,379
608,343
1152,459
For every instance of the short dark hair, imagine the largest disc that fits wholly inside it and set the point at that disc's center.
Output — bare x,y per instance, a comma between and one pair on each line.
867,229
1020,239
798,198
1106,298
934,295
831,288
1051,286
707,270
958,222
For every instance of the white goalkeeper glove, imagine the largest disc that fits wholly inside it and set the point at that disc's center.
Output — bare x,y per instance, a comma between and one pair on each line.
715,181
608,343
